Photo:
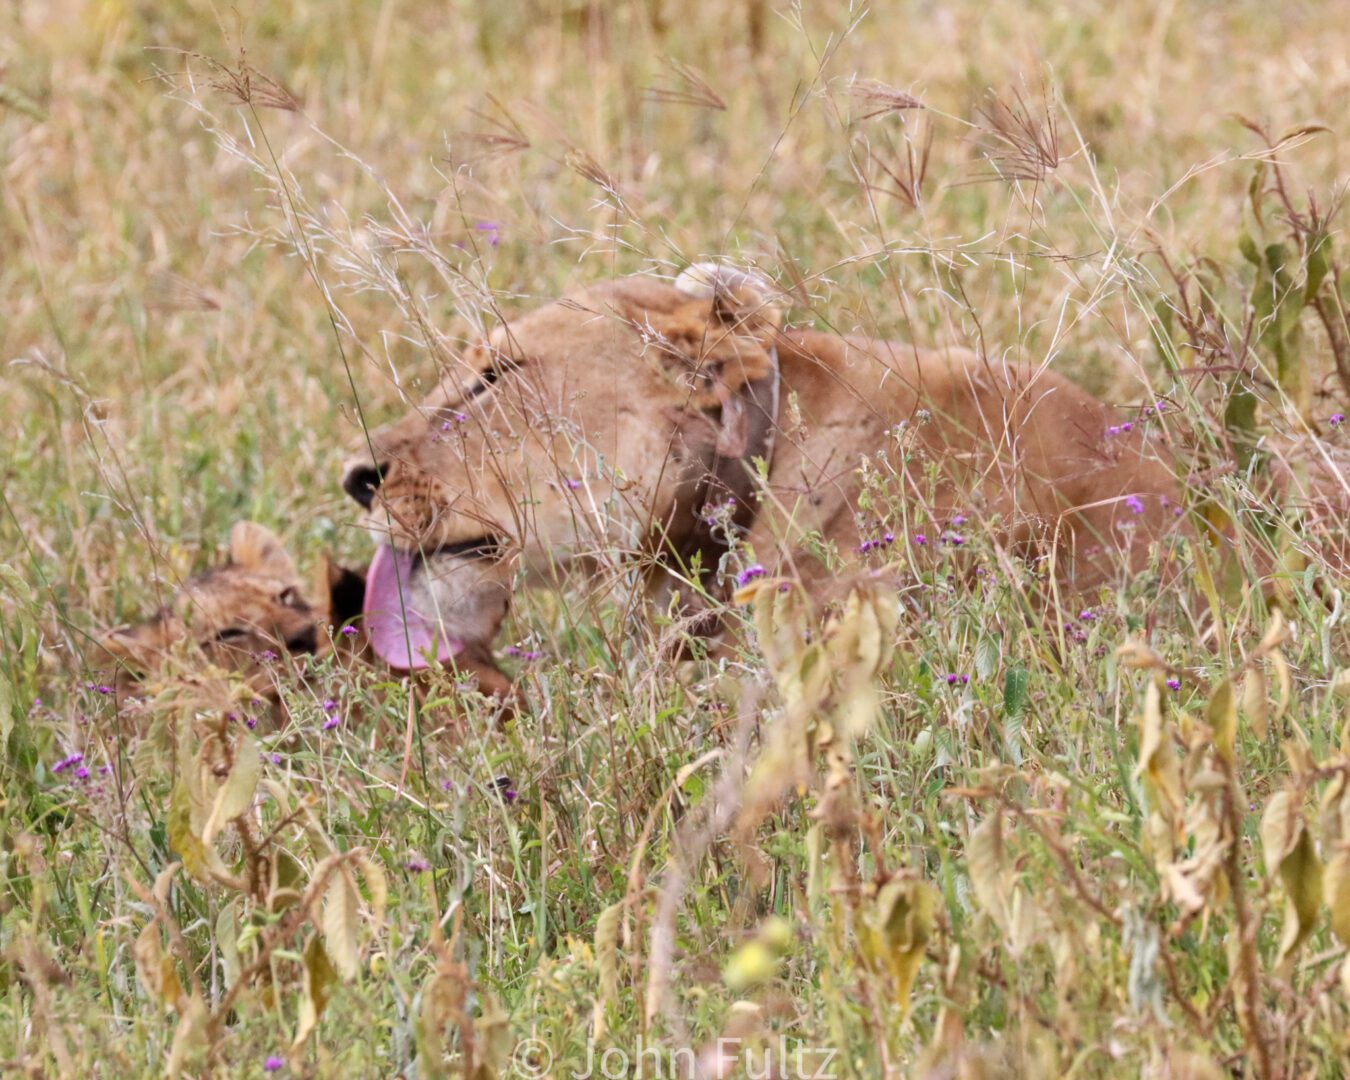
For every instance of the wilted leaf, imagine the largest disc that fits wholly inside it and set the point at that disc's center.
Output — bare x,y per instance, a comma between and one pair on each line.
901,922
1282,680
7,710
1254,702
190,1034
201,861
320,979
1281,824
985,863
155,969
235,794
1158,765
340,922
1301,872
227,940
607,963
1222,716
1337,885
376,884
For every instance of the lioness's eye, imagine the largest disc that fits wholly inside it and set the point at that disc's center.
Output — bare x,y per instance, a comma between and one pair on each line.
290,597
230,633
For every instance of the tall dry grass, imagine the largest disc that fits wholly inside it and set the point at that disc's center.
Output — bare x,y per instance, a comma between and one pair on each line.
228,238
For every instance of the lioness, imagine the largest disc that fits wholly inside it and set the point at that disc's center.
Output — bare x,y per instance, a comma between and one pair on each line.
631,414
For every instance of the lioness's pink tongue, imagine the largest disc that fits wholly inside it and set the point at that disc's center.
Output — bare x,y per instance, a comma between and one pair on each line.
400,634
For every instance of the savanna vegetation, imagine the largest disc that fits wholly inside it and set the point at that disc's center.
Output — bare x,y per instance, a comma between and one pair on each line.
942,835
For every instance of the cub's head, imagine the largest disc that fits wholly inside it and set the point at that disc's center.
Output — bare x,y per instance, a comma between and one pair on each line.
581,428
239,613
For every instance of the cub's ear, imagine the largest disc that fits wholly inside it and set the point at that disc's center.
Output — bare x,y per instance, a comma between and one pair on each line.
346,591
140,647
256,547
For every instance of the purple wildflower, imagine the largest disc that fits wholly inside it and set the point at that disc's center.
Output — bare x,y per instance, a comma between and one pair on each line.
331,723
955,539
276,759
348,631
1174,684
1127,426
749,574
273,1064
952,680
416,865
250,722
1135,504
329,705
572,485
1337,419
1086,616
1159,406
958,520
784,586
267,656
491,232
920,539
104,770
1113,430
82,773
67,762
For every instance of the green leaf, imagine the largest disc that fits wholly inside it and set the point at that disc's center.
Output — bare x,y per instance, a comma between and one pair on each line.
1015,690
1318,265
986,656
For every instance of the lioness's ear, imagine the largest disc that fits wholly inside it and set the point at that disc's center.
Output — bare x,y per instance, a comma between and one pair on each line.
139,647
725,333
256,547
740,298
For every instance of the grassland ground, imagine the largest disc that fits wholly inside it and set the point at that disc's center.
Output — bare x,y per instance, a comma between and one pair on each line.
1117,844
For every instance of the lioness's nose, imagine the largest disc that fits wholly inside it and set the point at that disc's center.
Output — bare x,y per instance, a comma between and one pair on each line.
362,480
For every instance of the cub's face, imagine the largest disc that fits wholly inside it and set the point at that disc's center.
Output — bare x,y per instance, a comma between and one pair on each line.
240,614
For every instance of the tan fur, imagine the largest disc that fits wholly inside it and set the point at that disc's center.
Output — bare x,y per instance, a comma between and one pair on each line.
605,398
254,603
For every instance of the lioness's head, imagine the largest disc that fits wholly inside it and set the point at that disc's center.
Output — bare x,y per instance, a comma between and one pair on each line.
238,613
579,428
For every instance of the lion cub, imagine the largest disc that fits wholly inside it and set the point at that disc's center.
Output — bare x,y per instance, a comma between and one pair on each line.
253,609
243,614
